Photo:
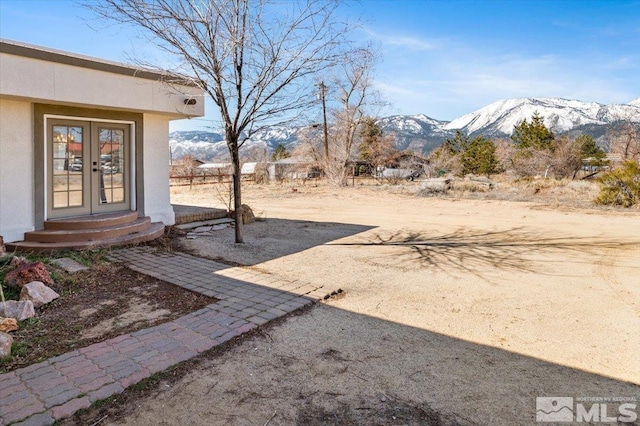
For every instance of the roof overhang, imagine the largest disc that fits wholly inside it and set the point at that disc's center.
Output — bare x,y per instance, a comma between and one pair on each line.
52,76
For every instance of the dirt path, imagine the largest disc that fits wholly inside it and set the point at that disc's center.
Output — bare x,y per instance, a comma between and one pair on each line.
470,308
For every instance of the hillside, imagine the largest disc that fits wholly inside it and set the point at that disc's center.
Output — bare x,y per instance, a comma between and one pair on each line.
420,133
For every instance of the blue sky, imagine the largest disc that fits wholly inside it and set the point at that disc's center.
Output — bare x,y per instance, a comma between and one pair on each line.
439,58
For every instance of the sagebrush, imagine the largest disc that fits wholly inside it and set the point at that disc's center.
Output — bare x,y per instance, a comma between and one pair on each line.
621,186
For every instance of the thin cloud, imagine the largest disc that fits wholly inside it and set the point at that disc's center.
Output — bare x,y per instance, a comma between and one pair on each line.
408,42
452,80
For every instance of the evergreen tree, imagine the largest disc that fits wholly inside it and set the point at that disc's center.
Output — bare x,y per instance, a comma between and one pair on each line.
458,144
589,149
374,146
533,135
280,153
370,135
479,157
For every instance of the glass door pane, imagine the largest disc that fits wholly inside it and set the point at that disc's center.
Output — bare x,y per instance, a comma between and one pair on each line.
111,166
110,177
67,178
68,185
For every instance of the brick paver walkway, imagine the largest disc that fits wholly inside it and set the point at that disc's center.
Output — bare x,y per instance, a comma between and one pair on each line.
56,388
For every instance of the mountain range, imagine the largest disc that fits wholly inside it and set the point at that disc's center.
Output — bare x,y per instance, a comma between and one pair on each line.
420,133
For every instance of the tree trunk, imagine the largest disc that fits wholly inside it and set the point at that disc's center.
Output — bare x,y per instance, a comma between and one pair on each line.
237,195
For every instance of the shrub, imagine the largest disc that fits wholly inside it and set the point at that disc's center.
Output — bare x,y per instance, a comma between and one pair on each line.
620,187
479,157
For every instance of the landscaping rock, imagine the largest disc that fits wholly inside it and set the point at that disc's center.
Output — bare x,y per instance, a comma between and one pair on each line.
21,310
8,324
3,249
70,265
434,187
38,293
17,261
247,214
202,229
5,344
28,272
208,229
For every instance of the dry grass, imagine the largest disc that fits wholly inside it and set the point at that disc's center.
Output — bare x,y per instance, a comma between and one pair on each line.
574,193
554,192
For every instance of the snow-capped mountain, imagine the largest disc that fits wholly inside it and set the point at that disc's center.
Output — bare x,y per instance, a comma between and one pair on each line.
422,134
560,115
211,145
201,145
415,132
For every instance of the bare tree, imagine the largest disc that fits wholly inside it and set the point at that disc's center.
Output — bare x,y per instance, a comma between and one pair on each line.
186,166
374,146
354,88
311,146
505,152
443,161
259,156
567,158
254,59
624,140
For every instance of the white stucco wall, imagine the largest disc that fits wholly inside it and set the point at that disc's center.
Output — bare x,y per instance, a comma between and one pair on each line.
157,203
16,169
58,83
30,74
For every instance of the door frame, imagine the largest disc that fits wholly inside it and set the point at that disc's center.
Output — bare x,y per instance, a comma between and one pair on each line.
131,163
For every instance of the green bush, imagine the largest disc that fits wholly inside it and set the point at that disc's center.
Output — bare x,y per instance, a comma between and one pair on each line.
479,157
620,187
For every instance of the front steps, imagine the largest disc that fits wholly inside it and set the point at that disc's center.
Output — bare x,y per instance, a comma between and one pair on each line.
90,232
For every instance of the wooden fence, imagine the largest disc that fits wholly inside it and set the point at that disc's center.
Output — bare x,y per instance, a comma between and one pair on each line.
204,179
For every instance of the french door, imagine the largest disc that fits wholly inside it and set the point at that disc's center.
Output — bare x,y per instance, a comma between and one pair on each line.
88,167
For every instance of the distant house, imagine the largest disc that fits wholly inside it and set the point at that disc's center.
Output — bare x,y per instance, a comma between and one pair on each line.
615,159
215,168
226,168
248,168
291,169
185,166
83,137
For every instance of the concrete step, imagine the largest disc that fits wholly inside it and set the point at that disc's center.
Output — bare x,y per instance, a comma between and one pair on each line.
61,236
103,220
153,231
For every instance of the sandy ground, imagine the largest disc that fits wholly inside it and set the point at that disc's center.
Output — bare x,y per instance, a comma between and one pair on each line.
457,311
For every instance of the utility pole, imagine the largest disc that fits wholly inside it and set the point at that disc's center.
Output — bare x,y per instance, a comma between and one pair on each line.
321,94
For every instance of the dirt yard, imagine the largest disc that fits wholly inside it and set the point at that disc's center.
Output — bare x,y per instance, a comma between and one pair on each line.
456,311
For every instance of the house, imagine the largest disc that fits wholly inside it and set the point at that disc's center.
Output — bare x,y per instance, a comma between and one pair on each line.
185,166
84,148
292,169
216,168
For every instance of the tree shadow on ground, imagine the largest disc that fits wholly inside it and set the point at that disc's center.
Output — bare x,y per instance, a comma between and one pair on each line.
269,239
470,250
